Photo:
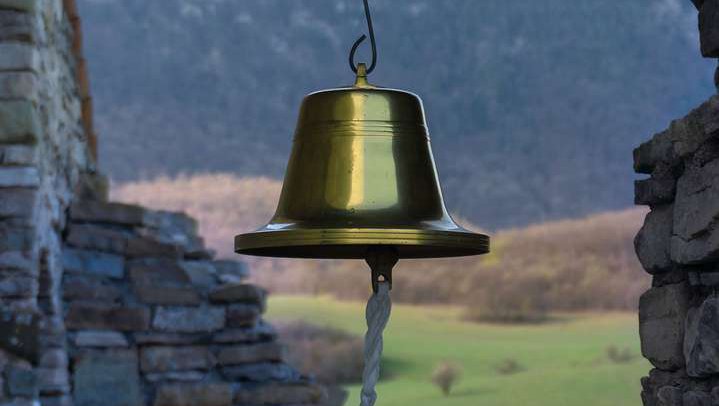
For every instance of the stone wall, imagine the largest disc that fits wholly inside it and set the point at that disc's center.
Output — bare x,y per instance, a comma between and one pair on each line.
101,303
152,319
679,246
45,151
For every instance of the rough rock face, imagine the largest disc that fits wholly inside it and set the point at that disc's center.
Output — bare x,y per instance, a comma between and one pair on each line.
679,245
662,311
708,16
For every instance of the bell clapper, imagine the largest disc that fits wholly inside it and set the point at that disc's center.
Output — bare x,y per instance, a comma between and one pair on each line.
381,260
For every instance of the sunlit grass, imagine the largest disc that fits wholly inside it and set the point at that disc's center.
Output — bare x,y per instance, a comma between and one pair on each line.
564,361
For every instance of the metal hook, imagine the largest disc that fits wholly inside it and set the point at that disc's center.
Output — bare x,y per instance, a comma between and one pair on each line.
357,43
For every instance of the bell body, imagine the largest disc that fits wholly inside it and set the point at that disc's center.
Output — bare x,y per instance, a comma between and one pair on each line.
361,174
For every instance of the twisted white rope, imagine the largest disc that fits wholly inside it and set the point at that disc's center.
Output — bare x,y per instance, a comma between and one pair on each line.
379,308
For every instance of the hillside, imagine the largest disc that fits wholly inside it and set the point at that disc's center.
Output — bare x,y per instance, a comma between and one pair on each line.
534,105
578,264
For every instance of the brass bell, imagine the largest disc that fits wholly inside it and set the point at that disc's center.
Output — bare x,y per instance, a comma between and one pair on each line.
361,175
361,183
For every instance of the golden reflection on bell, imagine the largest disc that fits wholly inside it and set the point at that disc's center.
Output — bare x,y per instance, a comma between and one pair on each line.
361,174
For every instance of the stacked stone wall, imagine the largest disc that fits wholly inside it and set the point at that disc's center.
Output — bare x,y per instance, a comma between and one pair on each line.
153,320
44,154
679,246
106,304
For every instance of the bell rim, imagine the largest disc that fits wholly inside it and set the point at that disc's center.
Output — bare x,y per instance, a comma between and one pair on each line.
352,243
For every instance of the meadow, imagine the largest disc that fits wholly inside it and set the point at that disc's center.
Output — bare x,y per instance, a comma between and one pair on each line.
563,362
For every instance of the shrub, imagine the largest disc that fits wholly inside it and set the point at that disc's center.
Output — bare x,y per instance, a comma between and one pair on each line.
508,366
332,356
618,356
512,300
446,375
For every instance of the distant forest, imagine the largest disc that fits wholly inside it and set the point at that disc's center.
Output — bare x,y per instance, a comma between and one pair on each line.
534,105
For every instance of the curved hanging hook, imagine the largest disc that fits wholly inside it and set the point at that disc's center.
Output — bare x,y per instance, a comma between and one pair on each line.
357,43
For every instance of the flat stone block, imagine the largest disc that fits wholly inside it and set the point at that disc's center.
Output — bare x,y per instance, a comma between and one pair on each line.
20,333
206,394
653,242
17,261
89,288
180,376
16,26
100,339
202,274
19,176
669,396
243,315
19,402
260,332
174,222
280,394
662,311
18,85
165,359
92,186
249,354
76,261
103,212
16,56
162,282
23,5
18,155
697,202
166,296
240,293
150,338
189,319
147,247
99,238
97,316
709,29
649,154
17,286
701,342
681,140
107,378
231,272
261,373
696,207
63,400
21,381
697,251
17,202
696,398
690,133
649,192
659,189
16,238
53,381
52,332
53,358
19,121
176,229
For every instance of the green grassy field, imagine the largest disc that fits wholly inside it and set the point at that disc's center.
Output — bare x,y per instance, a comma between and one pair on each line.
565,361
